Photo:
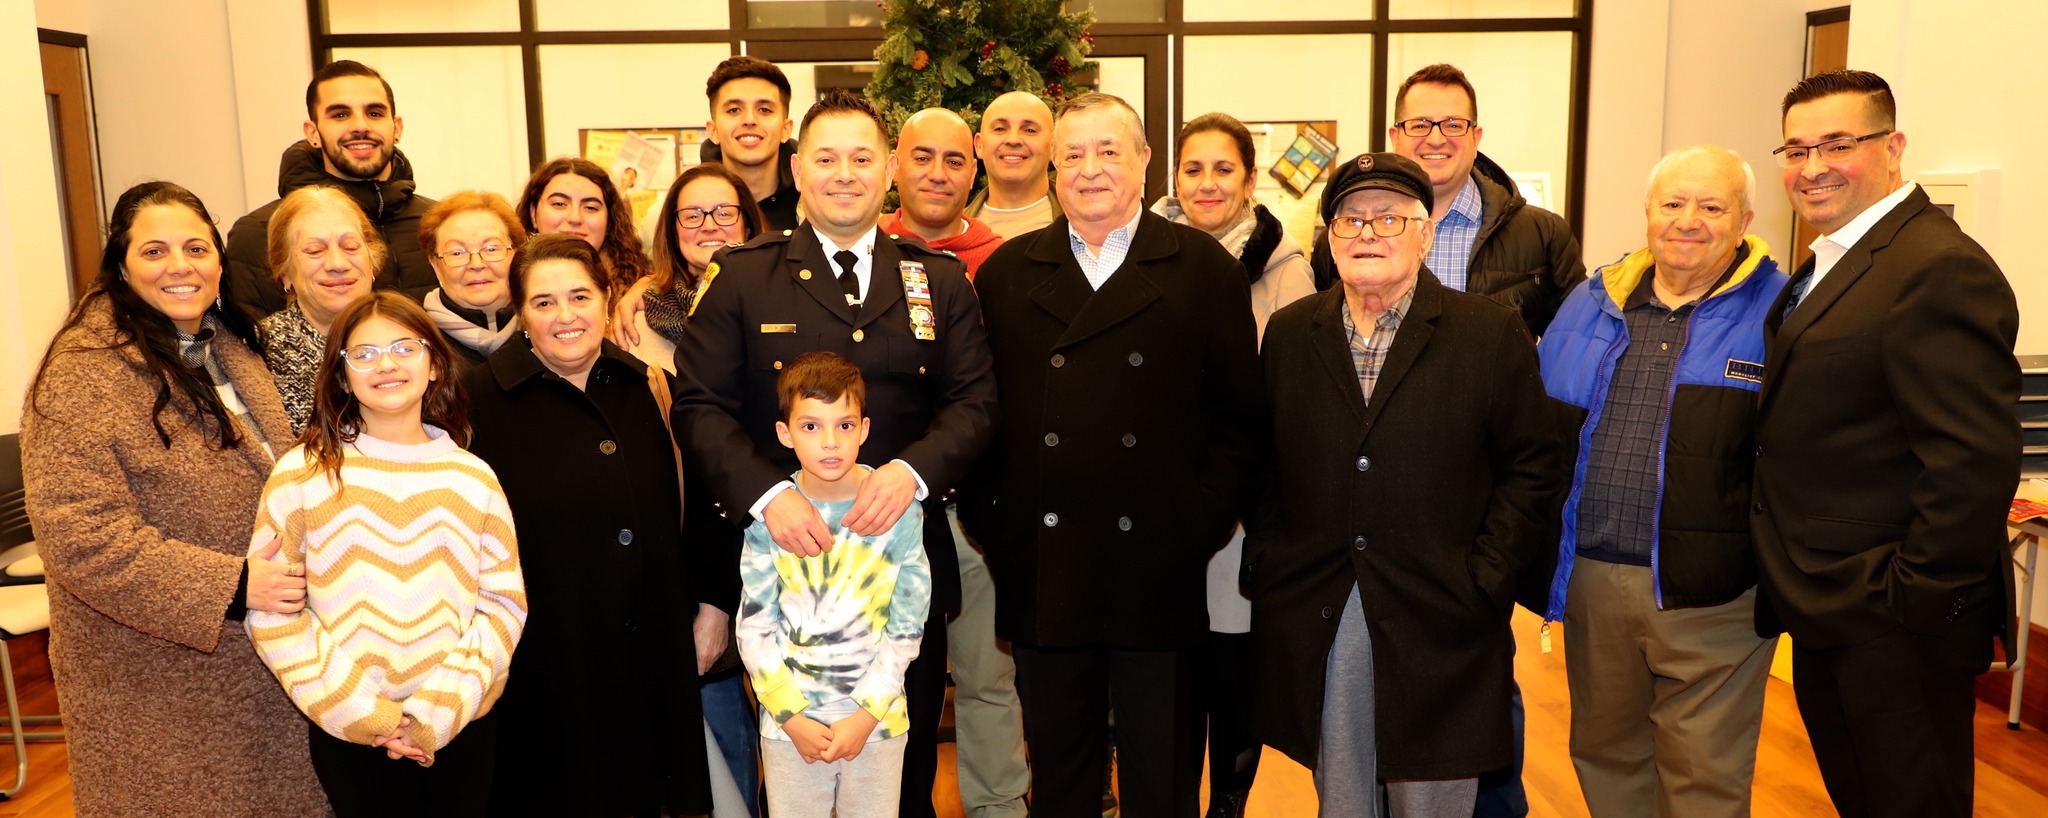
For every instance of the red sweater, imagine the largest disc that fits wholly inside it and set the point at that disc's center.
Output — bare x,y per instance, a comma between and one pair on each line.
972,247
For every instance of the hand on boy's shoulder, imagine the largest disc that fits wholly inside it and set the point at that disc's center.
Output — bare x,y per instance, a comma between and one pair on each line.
794,524
884,495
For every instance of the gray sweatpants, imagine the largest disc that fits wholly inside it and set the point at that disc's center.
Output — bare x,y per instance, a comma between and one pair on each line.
1347,769
868,786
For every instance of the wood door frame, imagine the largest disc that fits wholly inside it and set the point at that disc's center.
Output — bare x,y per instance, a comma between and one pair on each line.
66,77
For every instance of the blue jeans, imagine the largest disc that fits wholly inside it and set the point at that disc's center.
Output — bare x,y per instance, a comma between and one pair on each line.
1500,792
737,730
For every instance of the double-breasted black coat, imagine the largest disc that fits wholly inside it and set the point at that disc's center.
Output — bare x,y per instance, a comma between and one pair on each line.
1431,501
1129,420
601,715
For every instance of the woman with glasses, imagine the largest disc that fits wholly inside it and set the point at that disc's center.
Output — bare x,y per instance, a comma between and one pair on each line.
326,254
408,629
708,208
573,195
471,237
148,432
600,715
1214,183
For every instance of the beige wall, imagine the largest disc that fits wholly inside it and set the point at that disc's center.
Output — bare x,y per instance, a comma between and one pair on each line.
33,285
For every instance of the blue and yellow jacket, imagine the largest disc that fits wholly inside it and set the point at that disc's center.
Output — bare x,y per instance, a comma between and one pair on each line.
1701,551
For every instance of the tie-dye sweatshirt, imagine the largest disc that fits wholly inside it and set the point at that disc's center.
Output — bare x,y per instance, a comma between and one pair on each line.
823,635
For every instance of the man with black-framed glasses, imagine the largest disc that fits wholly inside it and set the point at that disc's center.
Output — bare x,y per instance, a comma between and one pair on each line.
1887,451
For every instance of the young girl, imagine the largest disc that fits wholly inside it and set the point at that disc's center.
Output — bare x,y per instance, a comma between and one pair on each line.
414,599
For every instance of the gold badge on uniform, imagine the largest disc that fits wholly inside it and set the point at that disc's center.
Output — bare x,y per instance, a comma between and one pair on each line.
917,292
710,272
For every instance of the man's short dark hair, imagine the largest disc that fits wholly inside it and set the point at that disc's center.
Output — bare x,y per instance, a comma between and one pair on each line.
840,101
1442,73
820,376
337,70
744,67
1845,81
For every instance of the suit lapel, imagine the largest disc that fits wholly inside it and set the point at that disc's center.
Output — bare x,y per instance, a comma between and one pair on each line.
1416,328
1333,349
1838,280
807,255
1130,289
885,282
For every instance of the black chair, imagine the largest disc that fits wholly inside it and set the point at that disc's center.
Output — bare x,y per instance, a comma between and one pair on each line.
24,601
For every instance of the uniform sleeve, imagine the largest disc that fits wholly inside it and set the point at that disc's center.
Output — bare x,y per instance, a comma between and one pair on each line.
762,632
711,363
903,632
1947,356
472,674
92,535
318,673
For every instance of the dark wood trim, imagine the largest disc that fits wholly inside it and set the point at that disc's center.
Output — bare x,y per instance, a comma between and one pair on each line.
1159,131
1995,688
1378,116
1581,118
1839,14
316,32
63,38
529,59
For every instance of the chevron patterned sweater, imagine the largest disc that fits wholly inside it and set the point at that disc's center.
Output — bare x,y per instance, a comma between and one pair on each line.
414,596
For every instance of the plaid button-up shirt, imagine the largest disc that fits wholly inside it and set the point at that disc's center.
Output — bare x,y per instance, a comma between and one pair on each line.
1369,353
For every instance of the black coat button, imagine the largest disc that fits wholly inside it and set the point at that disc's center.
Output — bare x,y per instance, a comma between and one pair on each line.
1759,450
1123,523
1052,439
1136,359
1058,360
1756,508
1130,440
1327,613
1358,542
625,536
1364,463
607,447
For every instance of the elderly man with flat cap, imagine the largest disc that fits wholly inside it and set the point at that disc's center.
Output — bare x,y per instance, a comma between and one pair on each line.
1415,473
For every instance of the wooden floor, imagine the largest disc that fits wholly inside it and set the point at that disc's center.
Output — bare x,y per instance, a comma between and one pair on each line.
2012,767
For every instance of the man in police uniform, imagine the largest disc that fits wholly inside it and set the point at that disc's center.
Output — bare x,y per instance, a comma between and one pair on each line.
905,315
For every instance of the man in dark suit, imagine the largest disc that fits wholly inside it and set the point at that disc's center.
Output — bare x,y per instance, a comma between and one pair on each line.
1416,472
901,312
1887,453
1125,349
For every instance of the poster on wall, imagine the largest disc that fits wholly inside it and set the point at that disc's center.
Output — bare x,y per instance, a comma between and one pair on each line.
1295,197
642,161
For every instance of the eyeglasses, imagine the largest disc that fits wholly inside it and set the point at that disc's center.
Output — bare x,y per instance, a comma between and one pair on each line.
690,218
364,357
1386,227
1418,128
459,258
1833,150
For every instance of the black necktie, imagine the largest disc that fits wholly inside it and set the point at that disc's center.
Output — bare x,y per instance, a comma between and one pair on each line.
1798,285
848,282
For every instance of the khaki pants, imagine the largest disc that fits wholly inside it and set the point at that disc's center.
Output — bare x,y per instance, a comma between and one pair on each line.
988,724
1666,705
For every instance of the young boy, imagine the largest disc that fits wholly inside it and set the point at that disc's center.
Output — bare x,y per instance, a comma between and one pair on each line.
826,638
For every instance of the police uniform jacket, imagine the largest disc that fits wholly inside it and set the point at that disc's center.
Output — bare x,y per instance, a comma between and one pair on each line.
1128,425
929,403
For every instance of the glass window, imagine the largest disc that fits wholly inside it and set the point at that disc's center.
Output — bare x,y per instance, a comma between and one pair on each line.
813,14
1325,82
1230,11
415,17
632,15
1524,85
464,112
1463,9
648,95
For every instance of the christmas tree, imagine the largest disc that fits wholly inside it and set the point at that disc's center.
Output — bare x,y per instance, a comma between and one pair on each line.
962,54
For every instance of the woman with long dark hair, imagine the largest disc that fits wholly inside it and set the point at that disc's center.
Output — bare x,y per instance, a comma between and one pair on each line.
150,428
573,195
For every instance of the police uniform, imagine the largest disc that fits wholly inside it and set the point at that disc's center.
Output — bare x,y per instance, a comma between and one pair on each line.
931,403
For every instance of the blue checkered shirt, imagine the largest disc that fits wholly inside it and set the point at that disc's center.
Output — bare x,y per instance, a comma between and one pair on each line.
1098,269
1451,254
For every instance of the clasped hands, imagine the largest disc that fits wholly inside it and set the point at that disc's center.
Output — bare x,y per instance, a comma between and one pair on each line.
842,741
399,744
883,497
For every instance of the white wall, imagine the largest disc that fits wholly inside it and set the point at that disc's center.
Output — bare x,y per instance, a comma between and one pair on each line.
34,286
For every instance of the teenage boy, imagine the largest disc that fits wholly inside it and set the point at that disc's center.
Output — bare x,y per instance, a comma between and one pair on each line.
826,639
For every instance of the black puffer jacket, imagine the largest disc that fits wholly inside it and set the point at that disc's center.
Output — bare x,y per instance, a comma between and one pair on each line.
391,204
1524,257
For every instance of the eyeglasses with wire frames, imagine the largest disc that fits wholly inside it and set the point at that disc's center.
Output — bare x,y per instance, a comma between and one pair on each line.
691,218
1453,127
458,258
365,357
1384,226
1833,150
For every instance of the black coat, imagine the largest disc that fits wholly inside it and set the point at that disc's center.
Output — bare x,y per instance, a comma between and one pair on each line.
1129,421
929,403
1430,501
1887,444
601,714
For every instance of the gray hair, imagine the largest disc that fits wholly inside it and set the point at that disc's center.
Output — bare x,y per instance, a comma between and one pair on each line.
1097,99
1748,197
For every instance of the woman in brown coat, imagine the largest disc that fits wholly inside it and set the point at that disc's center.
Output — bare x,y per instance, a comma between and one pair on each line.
148,434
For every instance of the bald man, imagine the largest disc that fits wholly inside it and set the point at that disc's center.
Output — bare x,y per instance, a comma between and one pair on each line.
934,174
1015,146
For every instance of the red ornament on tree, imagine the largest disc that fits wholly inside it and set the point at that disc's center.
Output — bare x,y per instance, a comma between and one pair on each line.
1088,37
1061,66
988,48
1056,91
920,60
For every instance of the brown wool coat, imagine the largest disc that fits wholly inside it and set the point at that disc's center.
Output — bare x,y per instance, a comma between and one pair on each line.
168,709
